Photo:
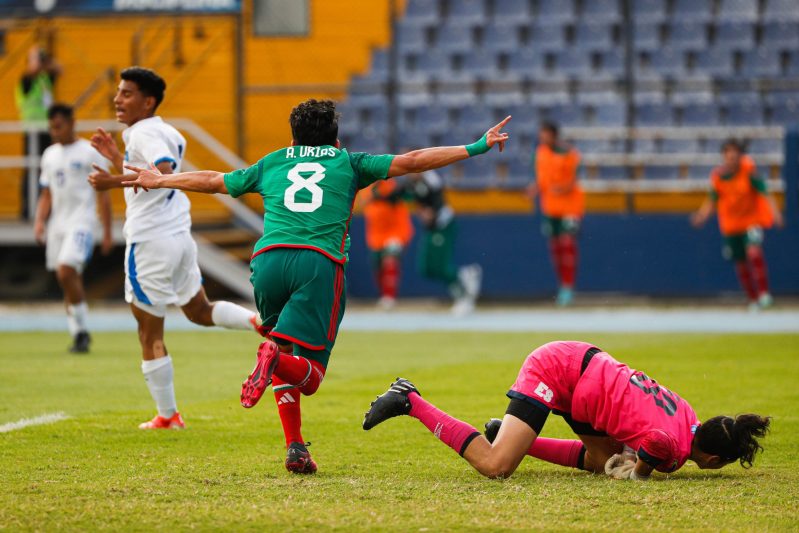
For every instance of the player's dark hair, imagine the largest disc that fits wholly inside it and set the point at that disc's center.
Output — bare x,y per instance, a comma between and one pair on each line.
64,110
551,127
314,123
735,144
733,438
148,82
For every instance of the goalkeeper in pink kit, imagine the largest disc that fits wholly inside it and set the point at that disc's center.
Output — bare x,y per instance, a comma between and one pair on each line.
628,425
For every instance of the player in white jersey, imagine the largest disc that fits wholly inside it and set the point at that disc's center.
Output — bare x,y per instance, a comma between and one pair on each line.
66,216
161,256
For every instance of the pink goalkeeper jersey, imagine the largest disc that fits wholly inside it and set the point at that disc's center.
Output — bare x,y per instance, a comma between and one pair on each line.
634,409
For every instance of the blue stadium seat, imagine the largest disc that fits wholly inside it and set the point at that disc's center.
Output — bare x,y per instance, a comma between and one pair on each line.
661,172
350,122
504,96
735,35
661,114
547,37
717,62
434,119
785,113
668,62
792,69
784,97
426,11
679,146
526,62
738,97
373,144
594,36
501,37
700,172
434,64
700,115
593,97
646,36
454,38
413,138
520,173
611,114
481,64
525,117
566,114
738,10
411,39
556,11
688,35
613,173
745,115
649,10
574,62
691,96
474,120
593,146
467,12
765,146
512,12
645,146
612,63
780,10
478,173
693,10
760,63
781,35
602,11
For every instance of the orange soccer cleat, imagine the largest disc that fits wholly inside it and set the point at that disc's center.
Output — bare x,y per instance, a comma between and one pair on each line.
254,386
159,422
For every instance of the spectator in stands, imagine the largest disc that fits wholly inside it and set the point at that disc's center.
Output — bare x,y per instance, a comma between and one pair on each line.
562,204
437,242
738,194
33,96
388,232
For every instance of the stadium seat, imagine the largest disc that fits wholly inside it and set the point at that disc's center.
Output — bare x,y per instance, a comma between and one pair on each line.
691,96
792,69
738,97
594,36
613,172
738,10
744,115
409,139
735,35
451,38
526,62
426,11
653,114
501,37
645,146
661,172
547,37
474,119
516,12
611,63
466,12
601,11
765,146
574,62
434,64
780,11
480,64
505,96
594,146
411,39
611,114
520,174
781,35
700,172
687,35
716,62
565,114
556,11
668,62
649,10
760,63
773,98
591,97
434,119
478,173
785,113
525,116
679,146
693,10
646,36
700,115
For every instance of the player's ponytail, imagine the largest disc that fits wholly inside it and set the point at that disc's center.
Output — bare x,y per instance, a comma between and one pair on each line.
733,438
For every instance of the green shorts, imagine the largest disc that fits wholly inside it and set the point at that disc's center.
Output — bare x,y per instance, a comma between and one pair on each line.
436,250
557,226
735,245
300,295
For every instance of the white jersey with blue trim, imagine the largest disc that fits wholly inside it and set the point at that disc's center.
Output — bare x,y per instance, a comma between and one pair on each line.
160,212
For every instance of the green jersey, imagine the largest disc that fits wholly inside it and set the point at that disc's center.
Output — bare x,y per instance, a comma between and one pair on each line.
308,194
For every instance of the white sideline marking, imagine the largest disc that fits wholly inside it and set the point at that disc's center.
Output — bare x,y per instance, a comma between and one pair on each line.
50,418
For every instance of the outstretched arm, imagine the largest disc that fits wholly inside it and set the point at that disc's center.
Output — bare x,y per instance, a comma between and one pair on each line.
700,216
206,181
441,156
779,220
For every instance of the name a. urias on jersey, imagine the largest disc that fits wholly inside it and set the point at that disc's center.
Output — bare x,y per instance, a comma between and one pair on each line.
310,151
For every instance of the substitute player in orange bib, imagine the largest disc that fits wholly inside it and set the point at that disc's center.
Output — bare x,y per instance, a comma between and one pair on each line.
739,195
562,204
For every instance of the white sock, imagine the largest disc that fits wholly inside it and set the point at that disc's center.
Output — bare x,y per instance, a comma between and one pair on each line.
76,317
158,374
231,316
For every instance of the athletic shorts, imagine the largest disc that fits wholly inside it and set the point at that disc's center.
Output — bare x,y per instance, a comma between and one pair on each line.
557,226
162,272
300,295
546,382
69,246
735,245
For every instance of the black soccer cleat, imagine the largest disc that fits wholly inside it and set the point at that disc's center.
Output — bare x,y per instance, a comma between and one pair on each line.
298,459
393,402
81,342
492,428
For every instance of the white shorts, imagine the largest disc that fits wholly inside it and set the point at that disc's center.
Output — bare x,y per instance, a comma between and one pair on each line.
69,246
162,272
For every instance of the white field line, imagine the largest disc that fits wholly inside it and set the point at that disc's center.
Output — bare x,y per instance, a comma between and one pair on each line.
50,418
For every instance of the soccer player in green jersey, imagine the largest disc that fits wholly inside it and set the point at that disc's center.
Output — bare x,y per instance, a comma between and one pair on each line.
298,264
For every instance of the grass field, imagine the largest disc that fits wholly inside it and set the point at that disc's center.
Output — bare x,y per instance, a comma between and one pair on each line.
97,471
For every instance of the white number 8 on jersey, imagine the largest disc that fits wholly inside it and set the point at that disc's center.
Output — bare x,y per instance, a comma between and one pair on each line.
299,183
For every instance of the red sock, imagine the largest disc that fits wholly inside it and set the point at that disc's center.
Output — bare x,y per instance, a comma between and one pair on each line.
389,276
757,264
299,372
451,431
745,278
557,451
287,398
555,254
568,260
